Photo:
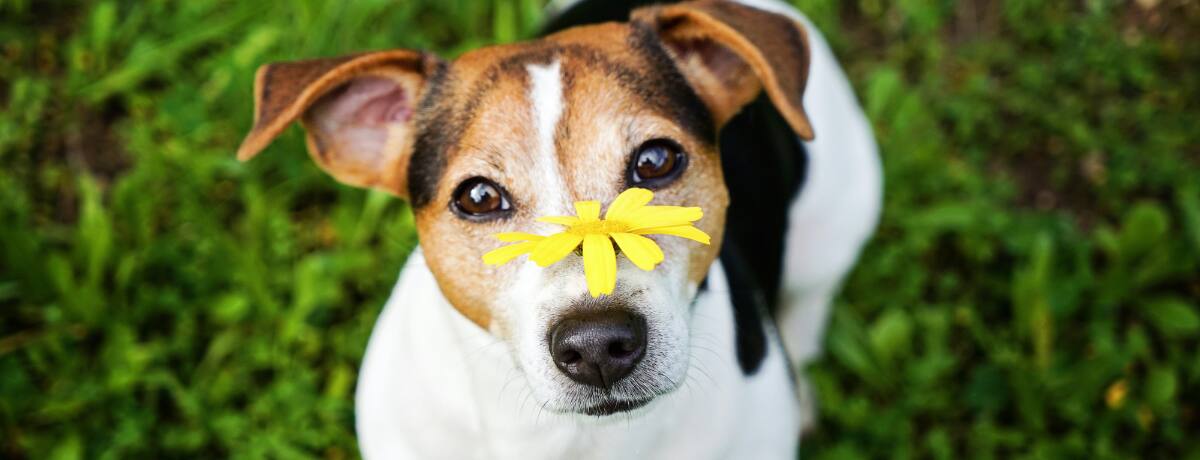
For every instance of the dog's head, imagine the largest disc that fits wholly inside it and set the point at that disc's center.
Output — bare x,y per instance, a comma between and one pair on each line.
492,140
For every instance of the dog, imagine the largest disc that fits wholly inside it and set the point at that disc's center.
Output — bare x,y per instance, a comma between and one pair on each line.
737,107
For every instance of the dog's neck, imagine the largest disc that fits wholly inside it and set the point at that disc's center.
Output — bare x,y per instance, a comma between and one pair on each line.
433,380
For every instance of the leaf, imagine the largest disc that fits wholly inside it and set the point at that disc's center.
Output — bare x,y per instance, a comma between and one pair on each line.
104,16
504,22
70,448
230,308
847,343
987,389
1173,317
884,87
1144,227
95,236
1161,386
1031,299
891,335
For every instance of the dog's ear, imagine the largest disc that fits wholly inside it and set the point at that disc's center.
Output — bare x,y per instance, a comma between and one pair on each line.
729,52
358,111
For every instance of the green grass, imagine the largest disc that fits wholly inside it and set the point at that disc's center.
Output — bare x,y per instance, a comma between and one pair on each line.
1033,290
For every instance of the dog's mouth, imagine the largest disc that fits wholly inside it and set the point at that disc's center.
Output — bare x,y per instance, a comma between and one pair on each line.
615,407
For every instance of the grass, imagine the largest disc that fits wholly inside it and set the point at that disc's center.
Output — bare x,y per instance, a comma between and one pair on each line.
1033,290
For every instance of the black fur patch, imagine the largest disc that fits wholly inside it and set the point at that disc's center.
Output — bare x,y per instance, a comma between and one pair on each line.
748,310
765,166
434,134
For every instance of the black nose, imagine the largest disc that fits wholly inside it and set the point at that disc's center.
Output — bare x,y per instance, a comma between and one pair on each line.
598,347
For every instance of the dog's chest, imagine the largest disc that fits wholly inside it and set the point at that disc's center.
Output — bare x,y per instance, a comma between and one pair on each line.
434,385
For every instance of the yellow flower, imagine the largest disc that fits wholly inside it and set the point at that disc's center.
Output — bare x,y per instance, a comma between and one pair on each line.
628,218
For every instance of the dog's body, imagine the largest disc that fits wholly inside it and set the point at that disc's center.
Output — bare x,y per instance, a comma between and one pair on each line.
444,378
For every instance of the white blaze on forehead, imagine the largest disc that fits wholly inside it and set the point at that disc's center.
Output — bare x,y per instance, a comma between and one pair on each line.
546,98
533,292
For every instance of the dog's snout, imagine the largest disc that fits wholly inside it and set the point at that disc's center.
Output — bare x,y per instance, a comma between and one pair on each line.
598,348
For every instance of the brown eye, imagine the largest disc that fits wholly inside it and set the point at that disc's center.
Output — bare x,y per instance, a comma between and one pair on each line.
480,199
656,163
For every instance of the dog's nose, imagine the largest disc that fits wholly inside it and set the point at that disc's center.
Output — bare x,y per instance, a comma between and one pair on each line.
598,347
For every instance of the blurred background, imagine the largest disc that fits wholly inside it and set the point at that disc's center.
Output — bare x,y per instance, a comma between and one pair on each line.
1032,290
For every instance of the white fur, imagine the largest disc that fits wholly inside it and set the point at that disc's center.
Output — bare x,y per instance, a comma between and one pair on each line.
434,385
546,101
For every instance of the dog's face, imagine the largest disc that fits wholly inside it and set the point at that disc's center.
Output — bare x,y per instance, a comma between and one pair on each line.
502,135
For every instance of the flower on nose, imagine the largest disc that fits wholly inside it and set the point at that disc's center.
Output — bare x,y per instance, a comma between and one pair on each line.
626,223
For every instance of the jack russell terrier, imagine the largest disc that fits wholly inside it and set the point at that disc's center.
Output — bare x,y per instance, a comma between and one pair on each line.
702,102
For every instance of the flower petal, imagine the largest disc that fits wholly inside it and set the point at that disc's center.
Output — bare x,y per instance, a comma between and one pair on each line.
569,221
663,216
554,248
587,210
503,254
628,202
642,251
684,231
512,237
599,264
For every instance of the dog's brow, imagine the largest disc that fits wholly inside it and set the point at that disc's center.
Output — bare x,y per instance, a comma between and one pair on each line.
649,75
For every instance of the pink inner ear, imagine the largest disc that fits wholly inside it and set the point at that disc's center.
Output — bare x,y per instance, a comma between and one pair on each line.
352,124
370,101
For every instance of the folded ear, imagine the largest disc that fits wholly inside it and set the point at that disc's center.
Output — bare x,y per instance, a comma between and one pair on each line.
729,52
358,111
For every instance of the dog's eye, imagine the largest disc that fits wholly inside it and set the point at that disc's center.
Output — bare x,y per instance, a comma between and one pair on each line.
656,163
478,198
